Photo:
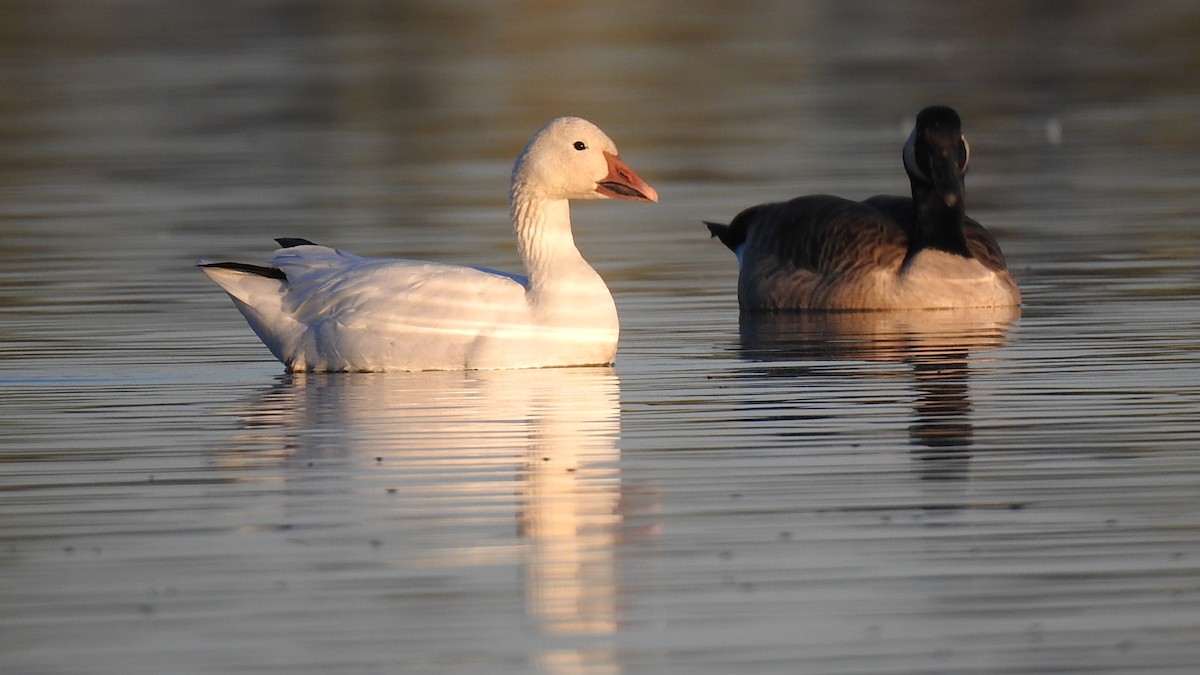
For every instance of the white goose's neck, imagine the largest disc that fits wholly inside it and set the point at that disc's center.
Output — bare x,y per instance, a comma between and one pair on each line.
544,240
564,291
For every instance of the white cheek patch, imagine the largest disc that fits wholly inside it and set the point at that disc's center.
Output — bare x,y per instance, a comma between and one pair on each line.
738,252
910,157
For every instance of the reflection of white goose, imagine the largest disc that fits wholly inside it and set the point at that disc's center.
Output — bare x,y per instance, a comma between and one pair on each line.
321,309
451,445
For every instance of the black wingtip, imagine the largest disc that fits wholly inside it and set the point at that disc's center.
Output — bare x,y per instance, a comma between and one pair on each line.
246,268
292,242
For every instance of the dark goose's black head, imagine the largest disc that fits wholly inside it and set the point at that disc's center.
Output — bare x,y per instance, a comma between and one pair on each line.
937,155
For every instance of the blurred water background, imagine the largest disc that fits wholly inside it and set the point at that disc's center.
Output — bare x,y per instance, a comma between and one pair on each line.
885,494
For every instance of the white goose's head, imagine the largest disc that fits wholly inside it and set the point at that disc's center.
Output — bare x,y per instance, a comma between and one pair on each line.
571,158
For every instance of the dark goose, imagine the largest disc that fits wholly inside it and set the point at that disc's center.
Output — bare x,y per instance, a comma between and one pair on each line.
821,252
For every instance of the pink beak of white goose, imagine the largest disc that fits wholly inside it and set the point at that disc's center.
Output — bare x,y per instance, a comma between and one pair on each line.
622,183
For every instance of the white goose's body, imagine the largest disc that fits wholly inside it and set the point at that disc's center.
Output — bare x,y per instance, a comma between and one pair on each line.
318,308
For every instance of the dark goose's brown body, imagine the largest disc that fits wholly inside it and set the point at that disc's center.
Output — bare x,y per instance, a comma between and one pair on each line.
822,252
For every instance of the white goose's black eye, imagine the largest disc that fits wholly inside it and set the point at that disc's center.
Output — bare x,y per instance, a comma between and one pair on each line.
580,145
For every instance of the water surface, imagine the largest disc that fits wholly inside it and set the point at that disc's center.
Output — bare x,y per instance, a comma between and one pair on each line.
894,493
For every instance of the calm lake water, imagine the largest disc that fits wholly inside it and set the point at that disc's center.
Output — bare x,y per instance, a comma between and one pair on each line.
911,493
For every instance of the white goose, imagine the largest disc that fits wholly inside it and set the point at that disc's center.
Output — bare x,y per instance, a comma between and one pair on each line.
322,309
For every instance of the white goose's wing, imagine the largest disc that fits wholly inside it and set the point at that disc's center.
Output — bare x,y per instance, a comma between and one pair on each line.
367,313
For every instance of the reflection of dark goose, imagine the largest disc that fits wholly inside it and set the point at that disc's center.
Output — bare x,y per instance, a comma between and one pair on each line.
896,336
828,253
937,344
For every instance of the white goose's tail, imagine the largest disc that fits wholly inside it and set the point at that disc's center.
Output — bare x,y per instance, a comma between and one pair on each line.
258,292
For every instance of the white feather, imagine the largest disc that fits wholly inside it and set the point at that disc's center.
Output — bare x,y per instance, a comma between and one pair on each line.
339,311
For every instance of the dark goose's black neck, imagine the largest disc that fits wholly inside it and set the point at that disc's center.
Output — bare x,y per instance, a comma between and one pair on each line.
936,225
936,157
